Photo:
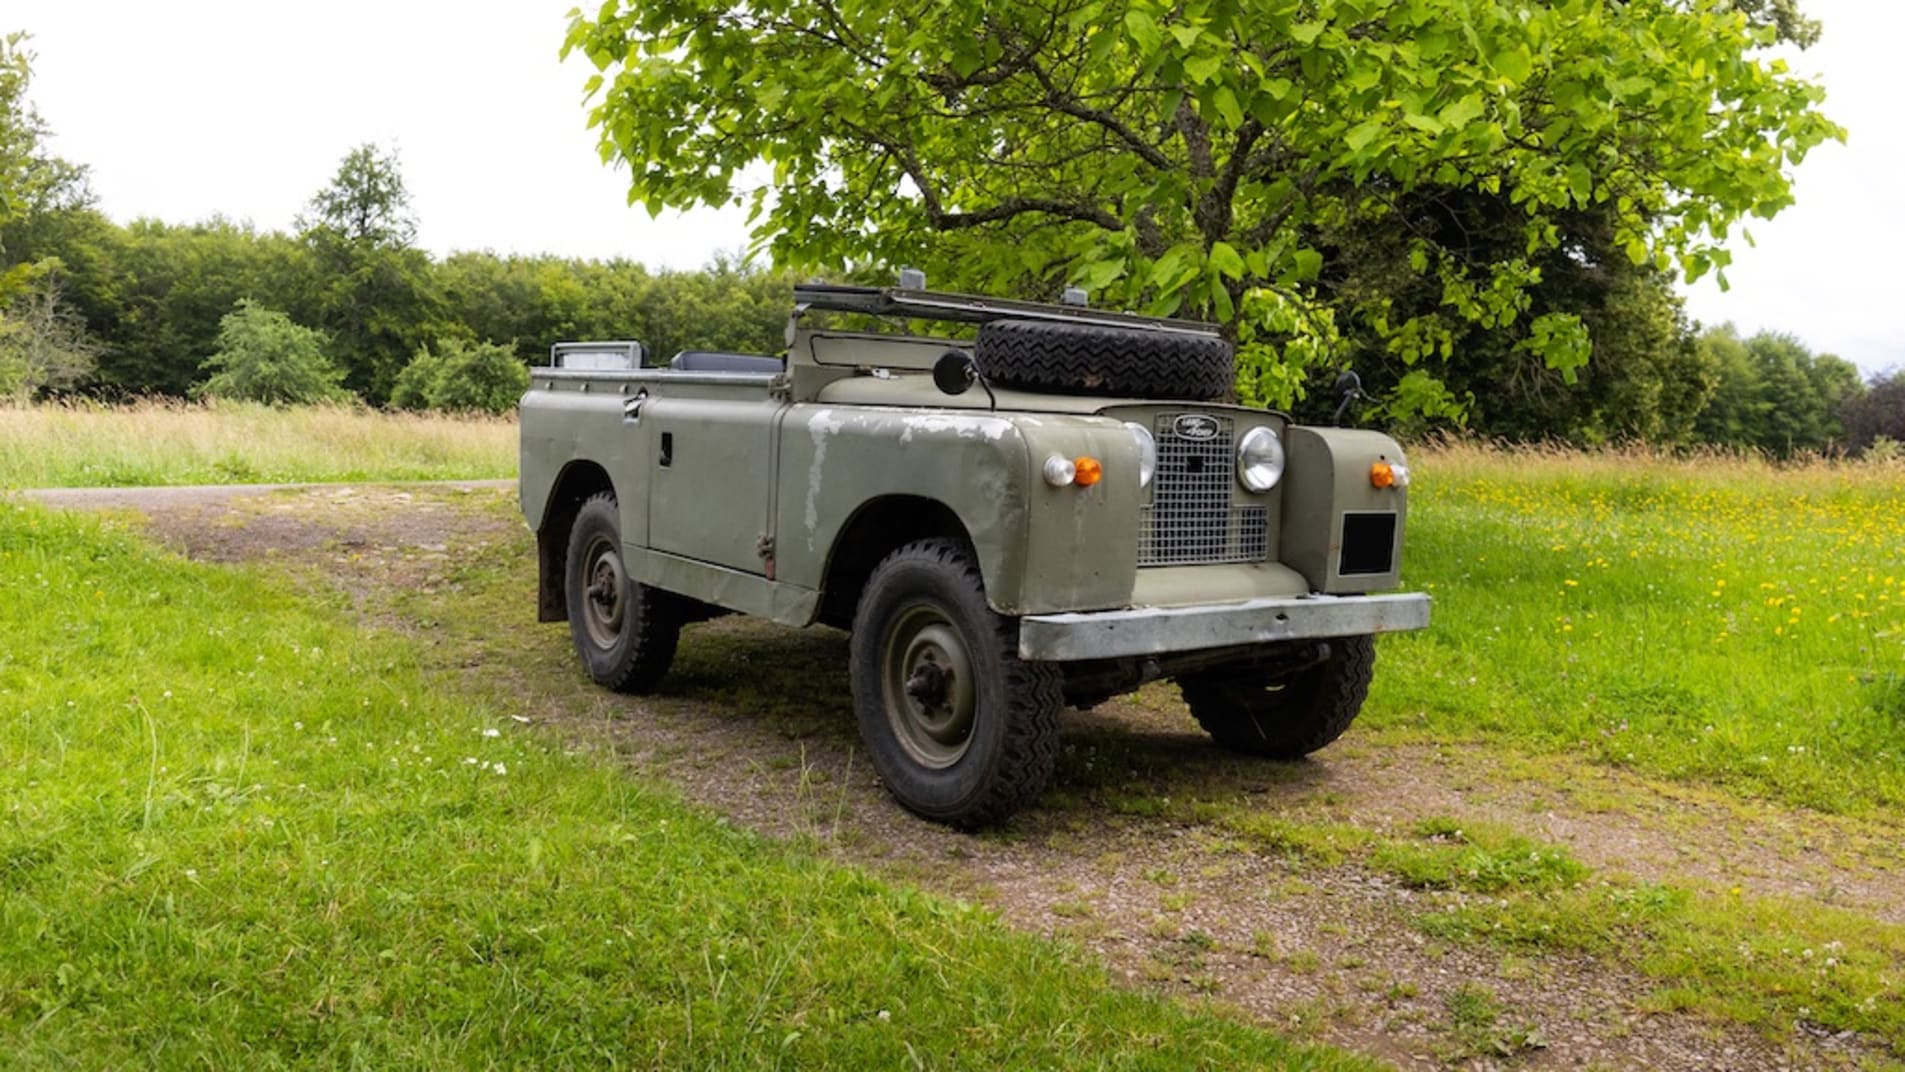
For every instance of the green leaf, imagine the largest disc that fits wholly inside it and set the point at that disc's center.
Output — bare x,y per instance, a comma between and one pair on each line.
1226,103
1306,33
1461,113
1098,275
1363,134
1225,259
1186,35
1580,183
1513,64
1143,30
1204,68
1306,264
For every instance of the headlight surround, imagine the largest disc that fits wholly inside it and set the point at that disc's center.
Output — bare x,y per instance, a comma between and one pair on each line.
1259,459
1147,452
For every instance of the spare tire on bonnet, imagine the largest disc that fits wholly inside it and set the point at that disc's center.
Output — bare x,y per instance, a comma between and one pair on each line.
1094,359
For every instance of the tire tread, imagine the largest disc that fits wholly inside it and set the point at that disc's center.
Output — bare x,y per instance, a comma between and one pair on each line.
1089,359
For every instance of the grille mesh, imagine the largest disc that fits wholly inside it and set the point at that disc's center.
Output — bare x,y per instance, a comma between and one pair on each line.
1191,519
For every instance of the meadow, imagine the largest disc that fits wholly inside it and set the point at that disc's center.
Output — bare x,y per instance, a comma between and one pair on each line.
170,443
1716,619
244,830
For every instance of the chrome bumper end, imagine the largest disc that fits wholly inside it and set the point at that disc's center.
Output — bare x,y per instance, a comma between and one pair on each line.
1116,634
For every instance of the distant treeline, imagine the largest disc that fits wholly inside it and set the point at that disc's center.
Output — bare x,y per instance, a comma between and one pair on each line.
151,296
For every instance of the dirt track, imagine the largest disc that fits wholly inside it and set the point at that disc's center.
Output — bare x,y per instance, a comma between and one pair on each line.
755,723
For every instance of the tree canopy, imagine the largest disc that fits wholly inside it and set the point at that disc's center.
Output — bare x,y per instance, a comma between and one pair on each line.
1773,394
264,357
1219,157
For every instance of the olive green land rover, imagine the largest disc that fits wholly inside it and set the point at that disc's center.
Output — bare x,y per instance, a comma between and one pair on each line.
1050,506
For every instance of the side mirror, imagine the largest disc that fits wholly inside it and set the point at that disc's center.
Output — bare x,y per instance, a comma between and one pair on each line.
954,373
1349,387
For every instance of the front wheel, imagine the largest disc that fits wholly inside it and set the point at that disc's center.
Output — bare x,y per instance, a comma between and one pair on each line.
624,632
1287,716
960,729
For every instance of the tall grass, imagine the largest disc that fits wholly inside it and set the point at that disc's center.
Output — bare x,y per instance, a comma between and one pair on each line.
1717,617
160,443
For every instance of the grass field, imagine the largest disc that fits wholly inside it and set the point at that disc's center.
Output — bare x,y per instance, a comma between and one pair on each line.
1718,620
241,834
241,831
156,443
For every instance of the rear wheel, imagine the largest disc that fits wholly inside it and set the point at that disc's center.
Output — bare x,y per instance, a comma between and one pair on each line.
960,729
1287,716
624,632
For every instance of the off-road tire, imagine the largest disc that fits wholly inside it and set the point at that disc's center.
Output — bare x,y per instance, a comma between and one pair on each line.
627,642
1288,717
1010,743
1088,359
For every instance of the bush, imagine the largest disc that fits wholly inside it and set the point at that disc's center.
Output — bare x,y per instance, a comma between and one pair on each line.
417,380
264,357
462,377
43,346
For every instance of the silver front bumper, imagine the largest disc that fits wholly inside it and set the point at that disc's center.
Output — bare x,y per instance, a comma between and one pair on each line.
1114,634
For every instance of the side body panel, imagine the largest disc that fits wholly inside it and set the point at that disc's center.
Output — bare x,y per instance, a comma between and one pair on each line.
605,419
581,421
710,459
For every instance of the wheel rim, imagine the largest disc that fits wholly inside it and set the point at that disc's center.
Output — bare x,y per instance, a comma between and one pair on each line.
605,595
926,674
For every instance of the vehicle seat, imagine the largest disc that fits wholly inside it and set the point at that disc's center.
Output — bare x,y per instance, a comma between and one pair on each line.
715,361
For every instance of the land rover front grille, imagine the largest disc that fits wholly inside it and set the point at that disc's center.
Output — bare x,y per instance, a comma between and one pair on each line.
1191,519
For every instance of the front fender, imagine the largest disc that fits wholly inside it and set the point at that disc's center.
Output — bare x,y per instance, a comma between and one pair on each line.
1035,543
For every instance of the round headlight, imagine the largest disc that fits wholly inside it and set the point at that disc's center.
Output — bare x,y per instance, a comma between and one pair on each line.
1260,459
1147,452
1060,471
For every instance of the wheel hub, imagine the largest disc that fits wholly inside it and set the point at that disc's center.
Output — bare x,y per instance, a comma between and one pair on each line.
604,594
930,696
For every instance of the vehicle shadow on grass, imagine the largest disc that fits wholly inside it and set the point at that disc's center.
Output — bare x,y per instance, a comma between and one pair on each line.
1129,756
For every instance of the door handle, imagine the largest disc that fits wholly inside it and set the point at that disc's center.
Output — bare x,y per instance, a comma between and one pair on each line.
632,408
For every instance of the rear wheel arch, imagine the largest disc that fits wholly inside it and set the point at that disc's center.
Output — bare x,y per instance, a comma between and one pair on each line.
577,483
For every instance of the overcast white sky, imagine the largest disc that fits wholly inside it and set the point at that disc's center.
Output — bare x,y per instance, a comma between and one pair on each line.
243,108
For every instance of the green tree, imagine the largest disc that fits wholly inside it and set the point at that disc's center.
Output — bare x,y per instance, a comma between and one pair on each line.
1646,379
1735,414
462,377
32,180
1783,16
43,345
1199,157
376,297
1773,394
264,357
1876,413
